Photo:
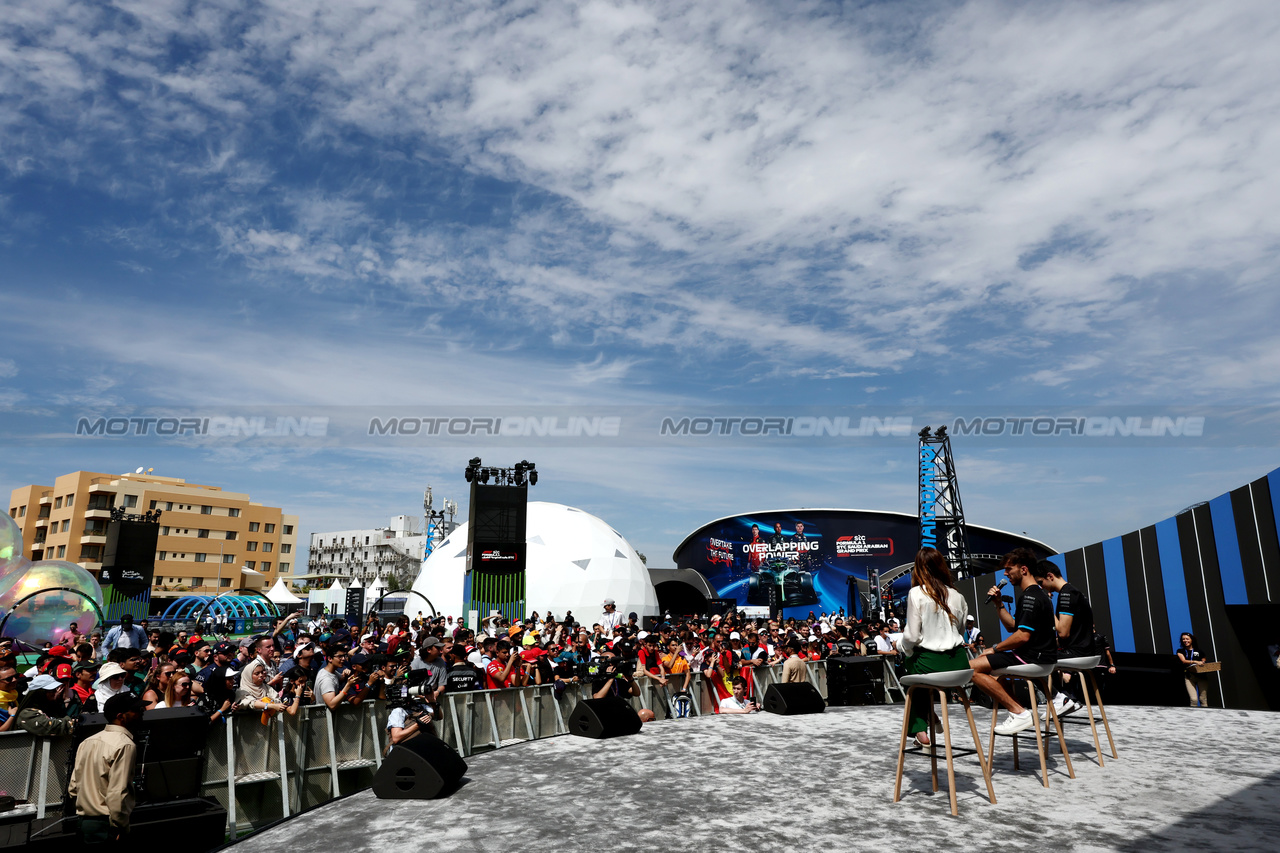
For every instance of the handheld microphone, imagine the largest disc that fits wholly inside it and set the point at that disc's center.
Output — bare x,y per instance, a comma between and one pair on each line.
991,599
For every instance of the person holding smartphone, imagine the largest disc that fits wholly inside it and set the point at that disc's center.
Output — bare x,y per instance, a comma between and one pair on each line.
738,703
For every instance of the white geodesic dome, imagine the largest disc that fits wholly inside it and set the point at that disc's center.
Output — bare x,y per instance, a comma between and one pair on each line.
575,561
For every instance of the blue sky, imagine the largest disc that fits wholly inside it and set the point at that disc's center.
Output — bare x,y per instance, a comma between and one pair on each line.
902,205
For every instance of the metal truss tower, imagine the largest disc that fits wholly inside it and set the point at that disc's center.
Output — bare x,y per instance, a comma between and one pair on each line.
941,515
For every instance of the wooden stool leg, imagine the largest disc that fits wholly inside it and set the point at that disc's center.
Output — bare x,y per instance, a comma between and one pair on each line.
902,745
1040,747
933,743
1088,706
1017,760
977,743
1103,711
951,770
1062,741
991,738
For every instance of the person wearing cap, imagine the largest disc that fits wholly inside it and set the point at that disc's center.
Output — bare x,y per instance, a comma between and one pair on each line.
971,633
126,635
204,682
611,618
102,781
80,695
42,710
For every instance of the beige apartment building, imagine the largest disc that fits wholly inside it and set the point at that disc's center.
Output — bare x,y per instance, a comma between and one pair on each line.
207,536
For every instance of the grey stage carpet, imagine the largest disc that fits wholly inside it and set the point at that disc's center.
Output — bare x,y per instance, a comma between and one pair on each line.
1186,779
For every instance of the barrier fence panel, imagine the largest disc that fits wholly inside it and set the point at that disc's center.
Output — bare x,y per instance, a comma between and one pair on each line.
261,772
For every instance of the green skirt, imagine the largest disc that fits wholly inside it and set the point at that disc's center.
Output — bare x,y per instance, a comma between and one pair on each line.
922,662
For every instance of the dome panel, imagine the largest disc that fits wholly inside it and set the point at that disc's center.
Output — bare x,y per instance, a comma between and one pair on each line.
580,562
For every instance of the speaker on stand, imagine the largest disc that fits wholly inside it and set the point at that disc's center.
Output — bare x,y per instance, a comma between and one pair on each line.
420,768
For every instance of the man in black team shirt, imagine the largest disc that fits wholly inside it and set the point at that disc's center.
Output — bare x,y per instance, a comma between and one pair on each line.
1032,639
1074,624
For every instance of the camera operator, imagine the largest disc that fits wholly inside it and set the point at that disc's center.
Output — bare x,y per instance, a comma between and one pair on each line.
369,672
616,675
429,670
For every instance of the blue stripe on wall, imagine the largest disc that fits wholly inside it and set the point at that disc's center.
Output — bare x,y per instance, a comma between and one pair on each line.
1224,536
1175,580
1118,593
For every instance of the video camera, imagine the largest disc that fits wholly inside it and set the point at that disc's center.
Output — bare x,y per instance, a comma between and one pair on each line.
596,670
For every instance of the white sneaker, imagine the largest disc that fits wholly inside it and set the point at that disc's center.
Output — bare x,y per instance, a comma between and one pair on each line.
1068,707
1014,723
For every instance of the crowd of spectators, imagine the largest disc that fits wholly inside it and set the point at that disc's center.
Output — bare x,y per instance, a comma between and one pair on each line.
319,660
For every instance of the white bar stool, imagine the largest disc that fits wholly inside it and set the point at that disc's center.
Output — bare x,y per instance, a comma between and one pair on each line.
1083,668
941,682
1033,674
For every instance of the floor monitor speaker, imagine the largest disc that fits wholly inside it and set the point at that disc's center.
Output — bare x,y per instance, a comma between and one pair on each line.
797,698
421,768
602,718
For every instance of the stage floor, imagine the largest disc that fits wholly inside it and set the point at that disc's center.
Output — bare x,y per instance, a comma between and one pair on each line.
1186,779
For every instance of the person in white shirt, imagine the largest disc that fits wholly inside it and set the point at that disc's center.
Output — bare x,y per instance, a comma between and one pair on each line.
932,640
738,703
611,618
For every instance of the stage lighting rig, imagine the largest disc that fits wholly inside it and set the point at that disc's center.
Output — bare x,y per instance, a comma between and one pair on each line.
522,473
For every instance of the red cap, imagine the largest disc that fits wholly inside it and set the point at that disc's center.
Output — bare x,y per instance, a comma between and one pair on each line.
59,652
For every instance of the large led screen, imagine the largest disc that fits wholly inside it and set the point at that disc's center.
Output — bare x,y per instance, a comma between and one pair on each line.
809,555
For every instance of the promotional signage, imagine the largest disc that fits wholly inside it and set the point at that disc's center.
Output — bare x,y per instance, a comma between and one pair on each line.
802,560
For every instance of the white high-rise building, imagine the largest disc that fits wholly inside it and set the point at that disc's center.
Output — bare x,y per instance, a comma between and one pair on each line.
367,554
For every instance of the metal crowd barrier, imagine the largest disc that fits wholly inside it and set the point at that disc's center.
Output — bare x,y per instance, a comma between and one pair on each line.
264,772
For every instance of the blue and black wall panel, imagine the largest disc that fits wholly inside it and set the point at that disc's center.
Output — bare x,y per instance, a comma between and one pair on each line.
1268,543
1213,570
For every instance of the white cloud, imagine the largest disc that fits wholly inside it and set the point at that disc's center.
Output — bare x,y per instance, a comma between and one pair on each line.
800,182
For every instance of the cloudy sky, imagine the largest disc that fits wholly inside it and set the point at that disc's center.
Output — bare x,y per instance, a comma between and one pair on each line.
902,206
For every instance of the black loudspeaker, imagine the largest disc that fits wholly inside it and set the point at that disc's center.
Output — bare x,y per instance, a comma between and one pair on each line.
800,697
170,743
602,718
129,557
855,680
201,824
421,768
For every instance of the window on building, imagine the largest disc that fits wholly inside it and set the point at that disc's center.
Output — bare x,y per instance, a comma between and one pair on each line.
168,506
13,512
153,505
266,547
62,551
366,540
286,548
68,500
164,531
22,511
269,528
130,501
254,526
57,502
234,512
251,546
266,566
228,558
206,510
284,567
201,558
288,530
250,564
164,555
202,534
91,553
226,581
66,525
231,534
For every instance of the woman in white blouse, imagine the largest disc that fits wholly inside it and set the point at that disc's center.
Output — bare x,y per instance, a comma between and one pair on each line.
933,638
